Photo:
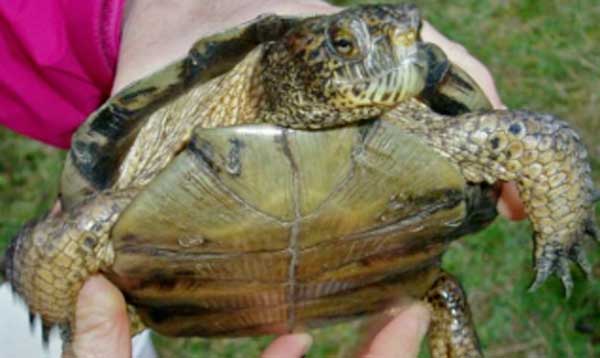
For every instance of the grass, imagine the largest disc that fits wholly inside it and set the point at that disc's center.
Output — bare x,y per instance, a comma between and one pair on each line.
544,56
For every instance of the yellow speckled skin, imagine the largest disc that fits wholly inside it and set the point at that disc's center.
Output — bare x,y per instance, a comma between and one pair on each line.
542,154
451,333
50,259
261,229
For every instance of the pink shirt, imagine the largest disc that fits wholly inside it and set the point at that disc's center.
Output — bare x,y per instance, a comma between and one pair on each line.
57,63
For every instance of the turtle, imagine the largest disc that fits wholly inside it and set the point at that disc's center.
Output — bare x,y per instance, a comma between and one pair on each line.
295,172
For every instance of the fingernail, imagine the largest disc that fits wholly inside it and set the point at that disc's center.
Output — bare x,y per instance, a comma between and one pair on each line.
305,341
503,209
510,204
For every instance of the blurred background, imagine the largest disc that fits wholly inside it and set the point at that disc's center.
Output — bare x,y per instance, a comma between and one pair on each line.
545,56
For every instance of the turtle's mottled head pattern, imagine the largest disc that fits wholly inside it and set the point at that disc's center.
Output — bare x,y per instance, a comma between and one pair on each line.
356,64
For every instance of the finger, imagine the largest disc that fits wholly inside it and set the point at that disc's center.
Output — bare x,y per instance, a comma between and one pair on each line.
56,209
102,327
510,205
401,337
288,346
304,8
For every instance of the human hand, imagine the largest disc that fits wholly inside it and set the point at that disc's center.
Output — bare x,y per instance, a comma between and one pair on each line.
103,328
102,325
395,333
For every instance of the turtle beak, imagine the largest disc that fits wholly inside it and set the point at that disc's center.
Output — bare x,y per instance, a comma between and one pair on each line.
405,48
402,67
399,38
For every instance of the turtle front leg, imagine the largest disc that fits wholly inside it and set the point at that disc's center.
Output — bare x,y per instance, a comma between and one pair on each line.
546,159
451,331
49,260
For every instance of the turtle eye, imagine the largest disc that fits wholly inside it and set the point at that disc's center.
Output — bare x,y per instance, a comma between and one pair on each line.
344,43
344,46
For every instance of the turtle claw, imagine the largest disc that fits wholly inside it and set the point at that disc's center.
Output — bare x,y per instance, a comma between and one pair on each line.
564,273
554,256
577,254
46,329
592,230
32,321
555,260
546,264
540,278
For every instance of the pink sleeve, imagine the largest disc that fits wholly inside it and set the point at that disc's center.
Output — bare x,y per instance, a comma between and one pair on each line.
57,63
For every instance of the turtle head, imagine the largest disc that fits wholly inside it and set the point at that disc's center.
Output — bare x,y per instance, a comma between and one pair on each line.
354,65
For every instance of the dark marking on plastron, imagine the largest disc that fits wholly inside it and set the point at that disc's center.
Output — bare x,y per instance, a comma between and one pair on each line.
234,157
184,273
158,315
204,152
160,280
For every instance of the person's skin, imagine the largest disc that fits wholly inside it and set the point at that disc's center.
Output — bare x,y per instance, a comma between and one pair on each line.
157,32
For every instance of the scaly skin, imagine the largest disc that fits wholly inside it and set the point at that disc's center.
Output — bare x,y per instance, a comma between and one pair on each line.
451,331
50,259
542,154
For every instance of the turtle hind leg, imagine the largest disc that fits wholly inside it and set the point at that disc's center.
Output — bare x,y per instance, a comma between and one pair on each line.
136,325
451,331
546,159
49,260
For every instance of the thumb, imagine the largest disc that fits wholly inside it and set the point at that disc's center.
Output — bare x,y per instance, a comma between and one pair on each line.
101,322
400,337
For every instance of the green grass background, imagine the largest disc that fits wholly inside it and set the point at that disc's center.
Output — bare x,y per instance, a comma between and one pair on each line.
545,55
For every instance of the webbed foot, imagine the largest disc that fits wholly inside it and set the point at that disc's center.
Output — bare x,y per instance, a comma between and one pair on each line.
49,260
554,257
545,158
